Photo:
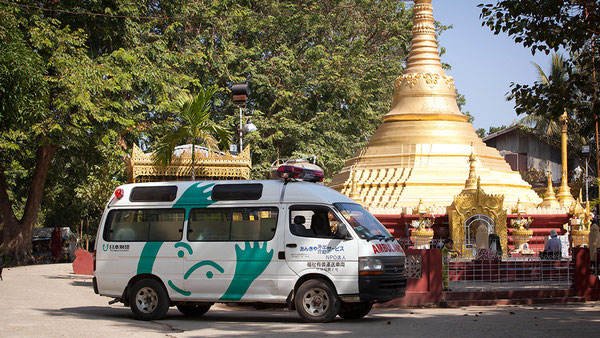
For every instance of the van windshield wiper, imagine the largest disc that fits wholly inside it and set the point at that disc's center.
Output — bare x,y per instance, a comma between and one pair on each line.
390,238
378,237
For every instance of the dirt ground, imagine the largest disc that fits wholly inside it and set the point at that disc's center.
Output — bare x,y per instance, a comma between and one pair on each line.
49,300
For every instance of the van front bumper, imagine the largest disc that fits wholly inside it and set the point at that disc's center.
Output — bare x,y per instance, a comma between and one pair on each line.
381,288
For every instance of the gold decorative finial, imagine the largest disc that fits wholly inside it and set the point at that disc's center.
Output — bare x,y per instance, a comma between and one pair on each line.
420,210
472,180
519,208
550,200
353,186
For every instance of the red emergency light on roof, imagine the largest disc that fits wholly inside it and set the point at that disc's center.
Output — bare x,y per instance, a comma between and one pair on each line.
300,173
119,193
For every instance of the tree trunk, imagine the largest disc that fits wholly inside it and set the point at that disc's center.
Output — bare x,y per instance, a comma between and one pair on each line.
18,233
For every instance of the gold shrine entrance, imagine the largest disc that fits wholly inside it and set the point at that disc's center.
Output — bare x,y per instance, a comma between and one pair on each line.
209,165
471,209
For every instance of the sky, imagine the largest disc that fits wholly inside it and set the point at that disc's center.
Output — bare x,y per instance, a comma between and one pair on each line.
483,64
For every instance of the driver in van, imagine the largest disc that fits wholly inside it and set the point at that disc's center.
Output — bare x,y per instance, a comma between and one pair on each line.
333,222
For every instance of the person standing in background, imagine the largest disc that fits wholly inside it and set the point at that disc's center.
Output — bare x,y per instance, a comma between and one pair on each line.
56,244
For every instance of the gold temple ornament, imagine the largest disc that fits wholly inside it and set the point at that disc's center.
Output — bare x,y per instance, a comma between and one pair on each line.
210,165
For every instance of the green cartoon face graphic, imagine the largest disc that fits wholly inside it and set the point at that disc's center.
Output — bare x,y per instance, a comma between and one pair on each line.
181,254
251,262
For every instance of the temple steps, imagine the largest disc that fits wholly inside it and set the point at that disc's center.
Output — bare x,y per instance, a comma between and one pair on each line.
514,297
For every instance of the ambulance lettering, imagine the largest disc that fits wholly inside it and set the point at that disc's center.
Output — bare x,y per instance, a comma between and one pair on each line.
386,247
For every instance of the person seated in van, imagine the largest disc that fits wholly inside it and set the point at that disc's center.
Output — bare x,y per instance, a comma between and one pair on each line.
320,225
299,229
333,223
552,250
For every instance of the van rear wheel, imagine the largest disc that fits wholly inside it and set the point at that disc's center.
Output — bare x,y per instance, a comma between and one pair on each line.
317,301
193,310
355,310
149,300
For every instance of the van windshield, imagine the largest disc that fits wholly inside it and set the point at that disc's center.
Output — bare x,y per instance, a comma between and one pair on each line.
365,224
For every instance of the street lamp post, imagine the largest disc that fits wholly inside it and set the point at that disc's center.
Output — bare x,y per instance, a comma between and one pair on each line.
240,94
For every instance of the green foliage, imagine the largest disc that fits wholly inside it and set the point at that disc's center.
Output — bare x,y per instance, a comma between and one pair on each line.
320,75
552,25
481,132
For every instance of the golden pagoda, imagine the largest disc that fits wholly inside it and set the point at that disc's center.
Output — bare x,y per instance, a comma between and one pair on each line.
209,165
422,148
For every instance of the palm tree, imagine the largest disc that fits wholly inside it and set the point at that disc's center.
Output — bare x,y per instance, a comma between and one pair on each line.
557,77
543,125
195,127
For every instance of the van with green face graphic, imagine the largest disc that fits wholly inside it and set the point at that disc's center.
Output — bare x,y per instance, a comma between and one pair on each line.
193,244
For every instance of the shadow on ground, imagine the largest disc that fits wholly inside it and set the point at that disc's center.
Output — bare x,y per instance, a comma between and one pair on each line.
420,322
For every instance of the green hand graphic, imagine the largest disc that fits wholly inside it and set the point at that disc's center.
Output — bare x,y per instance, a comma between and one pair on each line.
250,263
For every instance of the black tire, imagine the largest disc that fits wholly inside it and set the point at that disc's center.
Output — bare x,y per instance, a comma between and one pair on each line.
193,310
149,300
317,301
355,310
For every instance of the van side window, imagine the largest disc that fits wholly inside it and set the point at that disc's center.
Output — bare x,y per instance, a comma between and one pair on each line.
232,224
313,221
144,225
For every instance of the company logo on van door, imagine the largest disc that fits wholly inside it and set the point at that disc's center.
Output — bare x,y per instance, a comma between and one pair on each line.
385,247
115,247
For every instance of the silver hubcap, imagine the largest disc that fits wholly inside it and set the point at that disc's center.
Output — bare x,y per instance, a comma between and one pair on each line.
316,301
146,300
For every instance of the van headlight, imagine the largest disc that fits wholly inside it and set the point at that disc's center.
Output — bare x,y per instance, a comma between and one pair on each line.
369,266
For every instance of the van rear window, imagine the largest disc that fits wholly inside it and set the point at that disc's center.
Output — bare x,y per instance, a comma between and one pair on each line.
153,194
144,225
235,192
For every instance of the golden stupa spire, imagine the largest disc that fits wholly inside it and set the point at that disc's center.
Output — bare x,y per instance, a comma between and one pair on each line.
424,55
424,91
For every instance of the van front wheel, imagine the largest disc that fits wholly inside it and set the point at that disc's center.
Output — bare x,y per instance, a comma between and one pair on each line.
317,301
149,300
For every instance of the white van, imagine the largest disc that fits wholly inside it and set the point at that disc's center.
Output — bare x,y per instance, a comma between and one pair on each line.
193,244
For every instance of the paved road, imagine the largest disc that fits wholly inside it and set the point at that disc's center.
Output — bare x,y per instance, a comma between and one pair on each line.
49,300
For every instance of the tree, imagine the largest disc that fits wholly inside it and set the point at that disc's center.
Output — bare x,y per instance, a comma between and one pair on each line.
557,77
195,127
61,99
550,25
81,82
319,72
